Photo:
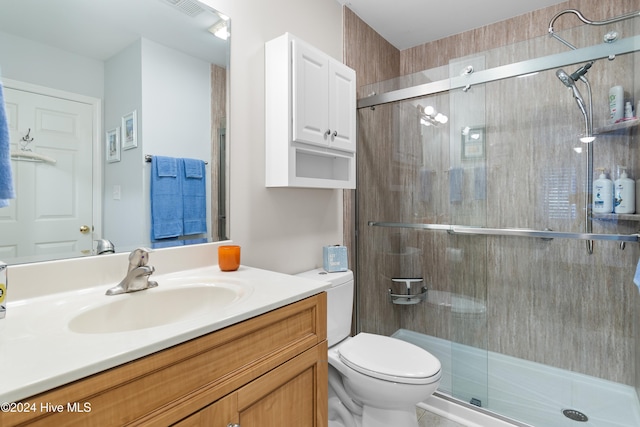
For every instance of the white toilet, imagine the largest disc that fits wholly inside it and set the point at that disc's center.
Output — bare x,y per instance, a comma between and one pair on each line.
374,380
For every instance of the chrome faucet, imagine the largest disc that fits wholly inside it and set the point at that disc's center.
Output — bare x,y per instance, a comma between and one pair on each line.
104,246
137,278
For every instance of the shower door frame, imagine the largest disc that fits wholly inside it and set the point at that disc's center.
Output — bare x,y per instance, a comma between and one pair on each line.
596,52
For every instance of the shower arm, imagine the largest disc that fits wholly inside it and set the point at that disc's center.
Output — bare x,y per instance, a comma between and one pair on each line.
581,17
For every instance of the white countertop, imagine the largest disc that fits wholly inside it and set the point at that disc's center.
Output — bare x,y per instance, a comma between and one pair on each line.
39,352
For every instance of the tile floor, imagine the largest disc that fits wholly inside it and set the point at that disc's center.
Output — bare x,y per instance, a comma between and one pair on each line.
429,419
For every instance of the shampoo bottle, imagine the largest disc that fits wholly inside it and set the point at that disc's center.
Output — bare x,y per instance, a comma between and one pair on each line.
628,110
602,193
625,193
616,103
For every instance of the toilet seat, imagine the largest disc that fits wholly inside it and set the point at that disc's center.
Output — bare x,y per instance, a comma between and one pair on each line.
389,359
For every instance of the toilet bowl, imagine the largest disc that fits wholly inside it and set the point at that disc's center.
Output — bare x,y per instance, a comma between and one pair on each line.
385,377
374,380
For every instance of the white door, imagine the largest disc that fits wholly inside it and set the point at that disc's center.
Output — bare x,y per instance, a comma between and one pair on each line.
310,92
51,216
342,106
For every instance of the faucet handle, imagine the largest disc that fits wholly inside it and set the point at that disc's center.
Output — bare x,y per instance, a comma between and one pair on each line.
139,257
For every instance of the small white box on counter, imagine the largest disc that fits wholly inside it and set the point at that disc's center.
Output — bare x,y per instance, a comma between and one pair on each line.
334,258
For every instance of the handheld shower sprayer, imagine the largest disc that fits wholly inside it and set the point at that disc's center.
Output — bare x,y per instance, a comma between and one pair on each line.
570,82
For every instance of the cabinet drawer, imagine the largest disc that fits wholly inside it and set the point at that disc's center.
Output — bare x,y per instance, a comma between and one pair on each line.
171,384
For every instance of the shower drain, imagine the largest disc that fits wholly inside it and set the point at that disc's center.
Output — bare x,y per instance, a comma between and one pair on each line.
574,415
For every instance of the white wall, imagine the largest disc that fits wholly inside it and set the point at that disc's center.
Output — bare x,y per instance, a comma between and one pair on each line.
123,84
174,123
31,62
142,77
279,229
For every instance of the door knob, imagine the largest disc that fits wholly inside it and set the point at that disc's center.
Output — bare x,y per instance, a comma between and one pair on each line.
84,229
233,425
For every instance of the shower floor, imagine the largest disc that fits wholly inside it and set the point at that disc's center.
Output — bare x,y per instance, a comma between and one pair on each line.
526,391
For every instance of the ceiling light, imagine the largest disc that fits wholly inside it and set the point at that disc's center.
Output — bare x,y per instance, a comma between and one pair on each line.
220,30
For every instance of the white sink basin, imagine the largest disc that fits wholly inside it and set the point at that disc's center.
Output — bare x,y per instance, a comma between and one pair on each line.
156,307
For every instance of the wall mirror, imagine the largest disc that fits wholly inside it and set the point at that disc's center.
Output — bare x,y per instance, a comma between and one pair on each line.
93,90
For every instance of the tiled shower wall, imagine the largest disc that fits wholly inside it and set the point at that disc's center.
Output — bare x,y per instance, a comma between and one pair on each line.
549,302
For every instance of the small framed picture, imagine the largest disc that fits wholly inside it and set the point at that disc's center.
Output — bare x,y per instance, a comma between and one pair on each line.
473,144
130,131
112,143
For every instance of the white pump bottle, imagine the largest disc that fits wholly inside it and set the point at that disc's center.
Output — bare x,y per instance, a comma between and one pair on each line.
625,193
602,193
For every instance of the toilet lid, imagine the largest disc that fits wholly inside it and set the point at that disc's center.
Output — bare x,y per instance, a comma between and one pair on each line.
389,359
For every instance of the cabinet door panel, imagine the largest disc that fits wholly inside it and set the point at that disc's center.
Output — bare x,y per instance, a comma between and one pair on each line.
342,106
218,414
310,90
294,394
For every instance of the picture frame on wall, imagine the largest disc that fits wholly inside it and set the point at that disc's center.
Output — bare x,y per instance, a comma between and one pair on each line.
130,130
112,145
473,143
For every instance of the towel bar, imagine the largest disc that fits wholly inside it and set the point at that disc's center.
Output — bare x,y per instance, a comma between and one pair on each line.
148,157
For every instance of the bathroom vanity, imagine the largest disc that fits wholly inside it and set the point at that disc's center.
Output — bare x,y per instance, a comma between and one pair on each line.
259,360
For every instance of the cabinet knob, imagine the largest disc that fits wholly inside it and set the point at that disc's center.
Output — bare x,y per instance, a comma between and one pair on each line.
335,133
328,132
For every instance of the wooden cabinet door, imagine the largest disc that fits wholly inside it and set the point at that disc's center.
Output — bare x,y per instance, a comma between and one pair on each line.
294,394
221,413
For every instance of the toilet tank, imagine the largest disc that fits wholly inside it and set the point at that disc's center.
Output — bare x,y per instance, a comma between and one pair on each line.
339,302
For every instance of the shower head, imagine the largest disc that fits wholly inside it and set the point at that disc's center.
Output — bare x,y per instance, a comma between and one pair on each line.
565,78
571,83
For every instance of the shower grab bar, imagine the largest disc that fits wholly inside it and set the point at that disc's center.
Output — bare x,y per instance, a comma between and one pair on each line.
517,232
585,54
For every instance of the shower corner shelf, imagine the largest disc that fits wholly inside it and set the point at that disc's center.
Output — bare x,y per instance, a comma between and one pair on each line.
615,217
624,125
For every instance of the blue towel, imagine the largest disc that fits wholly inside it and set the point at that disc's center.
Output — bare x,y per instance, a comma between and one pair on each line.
636,278
166,166
480,183
6,178
193,168
195,241
166,198
424,191
194,196
456,182
167,243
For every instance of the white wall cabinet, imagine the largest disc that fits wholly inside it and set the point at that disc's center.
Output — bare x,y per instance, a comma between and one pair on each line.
310,117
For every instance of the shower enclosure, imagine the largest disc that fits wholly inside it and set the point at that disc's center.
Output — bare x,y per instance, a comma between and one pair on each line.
473,177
